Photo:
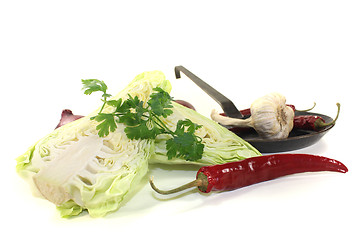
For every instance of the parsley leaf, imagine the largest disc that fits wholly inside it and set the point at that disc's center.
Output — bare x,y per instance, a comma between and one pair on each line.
142,131
160,102
132,111
185,143
115,103
94,85
144,120
107,123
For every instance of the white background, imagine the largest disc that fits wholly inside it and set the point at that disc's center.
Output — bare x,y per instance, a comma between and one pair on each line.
307,50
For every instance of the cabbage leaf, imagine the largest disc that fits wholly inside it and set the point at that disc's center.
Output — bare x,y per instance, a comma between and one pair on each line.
221,145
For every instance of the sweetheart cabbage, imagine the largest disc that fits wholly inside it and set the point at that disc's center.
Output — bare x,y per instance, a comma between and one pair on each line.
77,170
220,144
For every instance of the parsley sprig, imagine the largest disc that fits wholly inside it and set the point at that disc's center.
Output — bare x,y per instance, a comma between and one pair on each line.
145,120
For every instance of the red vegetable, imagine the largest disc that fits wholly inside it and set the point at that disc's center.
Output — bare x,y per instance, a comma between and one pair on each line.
315,123
186,104
234,175
66,117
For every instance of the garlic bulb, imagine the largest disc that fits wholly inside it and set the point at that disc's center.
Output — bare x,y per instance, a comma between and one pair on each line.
270,117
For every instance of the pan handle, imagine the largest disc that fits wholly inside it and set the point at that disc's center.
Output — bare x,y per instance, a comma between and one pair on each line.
227,105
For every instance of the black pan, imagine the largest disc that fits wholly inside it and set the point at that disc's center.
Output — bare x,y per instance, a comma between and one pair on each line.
297,138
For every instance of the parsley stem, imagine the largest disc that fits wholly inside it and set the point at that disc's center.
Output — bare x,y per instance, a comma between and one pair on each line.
162,125
102,107
146,121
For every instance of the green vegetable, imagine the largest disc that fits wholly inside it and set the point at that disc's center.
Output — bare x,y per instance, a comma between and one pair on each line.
144,121
220,144
76,169
93,163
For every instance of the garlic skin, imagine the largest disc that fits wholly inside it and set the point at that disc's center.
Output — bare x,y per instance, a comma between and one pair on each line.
270,117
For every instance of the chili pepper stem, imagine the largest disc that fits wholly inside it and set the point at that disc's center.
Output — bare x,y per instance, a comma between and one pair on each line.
195,183
321,124
309,109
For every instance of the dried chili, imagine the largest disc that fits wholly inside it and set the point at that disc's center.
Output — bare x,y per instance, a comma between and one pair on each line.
234,175
313,122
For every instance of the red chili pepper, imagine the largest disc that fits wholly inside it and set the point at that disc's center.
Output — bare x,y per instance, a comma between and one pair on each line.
234,175
315,123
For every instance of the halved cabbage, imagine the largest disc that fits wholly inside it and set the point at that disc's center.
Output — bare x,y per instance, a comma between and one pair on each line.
76,169
220,144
